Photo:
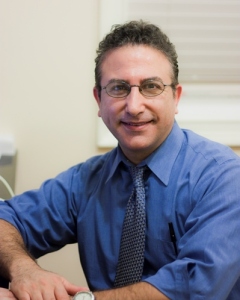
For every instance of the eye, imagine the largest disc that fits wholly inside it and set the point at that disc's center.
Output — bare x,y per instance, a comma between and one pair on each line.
151,86
118,87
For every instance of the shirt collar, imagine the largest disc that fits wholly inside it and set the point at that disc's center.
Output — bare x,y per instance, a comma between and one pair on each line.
161,161
119,157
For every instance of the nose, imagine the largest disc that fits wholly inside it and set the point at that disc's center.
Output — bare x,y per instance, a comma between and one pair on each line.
134,102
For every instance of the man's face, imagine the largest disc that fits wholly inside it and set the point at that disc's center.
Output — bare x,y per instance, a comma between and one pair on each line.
140,124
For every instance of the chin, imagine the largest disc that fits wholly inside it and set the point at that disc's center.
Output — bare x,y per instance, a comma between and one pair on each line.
139,147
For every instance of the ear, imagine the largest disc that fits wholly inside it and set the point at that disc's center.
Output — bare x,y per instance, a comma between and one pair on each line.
97,98
177,96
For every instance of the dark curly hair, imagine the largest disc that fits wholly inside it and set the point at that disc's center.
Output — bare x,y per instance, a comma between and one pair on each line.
136,33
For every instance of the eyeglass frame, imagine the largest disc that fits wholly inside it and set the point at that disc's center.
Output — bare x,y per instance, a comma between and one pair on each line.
135,85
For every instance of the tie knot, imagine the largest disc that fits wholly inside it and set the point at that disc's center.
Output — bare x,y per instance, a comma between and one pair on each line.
137,175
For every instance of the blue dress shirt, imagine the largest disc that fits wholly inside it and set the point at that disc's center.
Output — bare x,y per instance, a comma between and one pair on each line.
192,183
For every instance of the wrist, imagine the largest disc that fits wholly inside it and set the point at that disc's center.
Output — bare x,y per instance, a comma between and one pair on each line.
84,295
22,265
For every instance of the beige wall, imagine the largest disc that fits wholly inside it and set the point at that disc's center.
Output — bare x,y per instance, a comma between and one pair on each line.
47,51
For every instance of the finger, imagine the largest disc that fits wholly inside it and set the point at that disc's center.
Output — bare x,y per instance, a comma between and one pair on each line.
52,295
73,289
5,294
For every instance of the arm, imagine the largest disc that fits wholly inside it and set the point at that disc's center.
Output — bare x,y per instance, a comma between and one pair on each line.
138,291
207,240
26,277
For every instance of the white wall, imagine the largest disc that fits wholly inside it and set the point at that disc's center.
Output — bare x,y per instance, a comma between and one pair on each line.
47,51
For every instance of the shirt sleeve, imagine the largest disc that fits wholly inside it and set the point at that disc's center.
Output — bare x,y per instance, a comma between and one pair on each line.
45,217
207,265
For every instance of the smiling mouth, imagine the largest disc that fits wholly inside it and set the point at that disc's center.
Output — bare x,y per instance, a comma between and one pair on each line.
136,124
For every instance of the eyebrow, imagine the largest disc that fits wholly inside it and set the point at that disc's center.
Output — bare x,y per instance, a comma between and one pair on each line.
151,79
143,80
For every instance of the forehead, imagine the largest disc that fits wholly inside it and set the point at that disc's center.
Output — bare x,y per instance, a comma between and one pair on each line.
133,62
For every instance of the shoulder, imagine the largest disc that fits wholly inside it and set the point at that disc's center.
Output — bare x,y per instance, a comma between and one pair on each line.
92,166
99,162
203,163
208,150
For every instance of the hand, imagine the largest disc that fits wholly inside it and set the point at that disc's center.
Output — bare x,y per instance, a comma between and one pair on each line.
5,294
36,283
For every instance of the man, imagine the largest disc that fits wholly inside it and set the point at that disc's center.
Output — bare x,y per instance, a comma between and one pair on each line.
191,194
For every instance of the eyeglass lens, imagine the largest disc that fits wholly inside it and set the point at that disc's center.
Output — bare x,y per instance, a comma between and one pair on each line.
120,89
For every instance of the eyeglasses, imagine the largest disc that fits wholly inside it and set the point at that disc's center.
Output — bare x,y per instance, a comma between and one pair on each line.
121,89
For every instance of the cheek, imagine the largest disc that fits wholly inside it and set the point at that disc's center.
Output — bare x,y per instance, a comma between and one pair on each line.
105,112
102,108
110,109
